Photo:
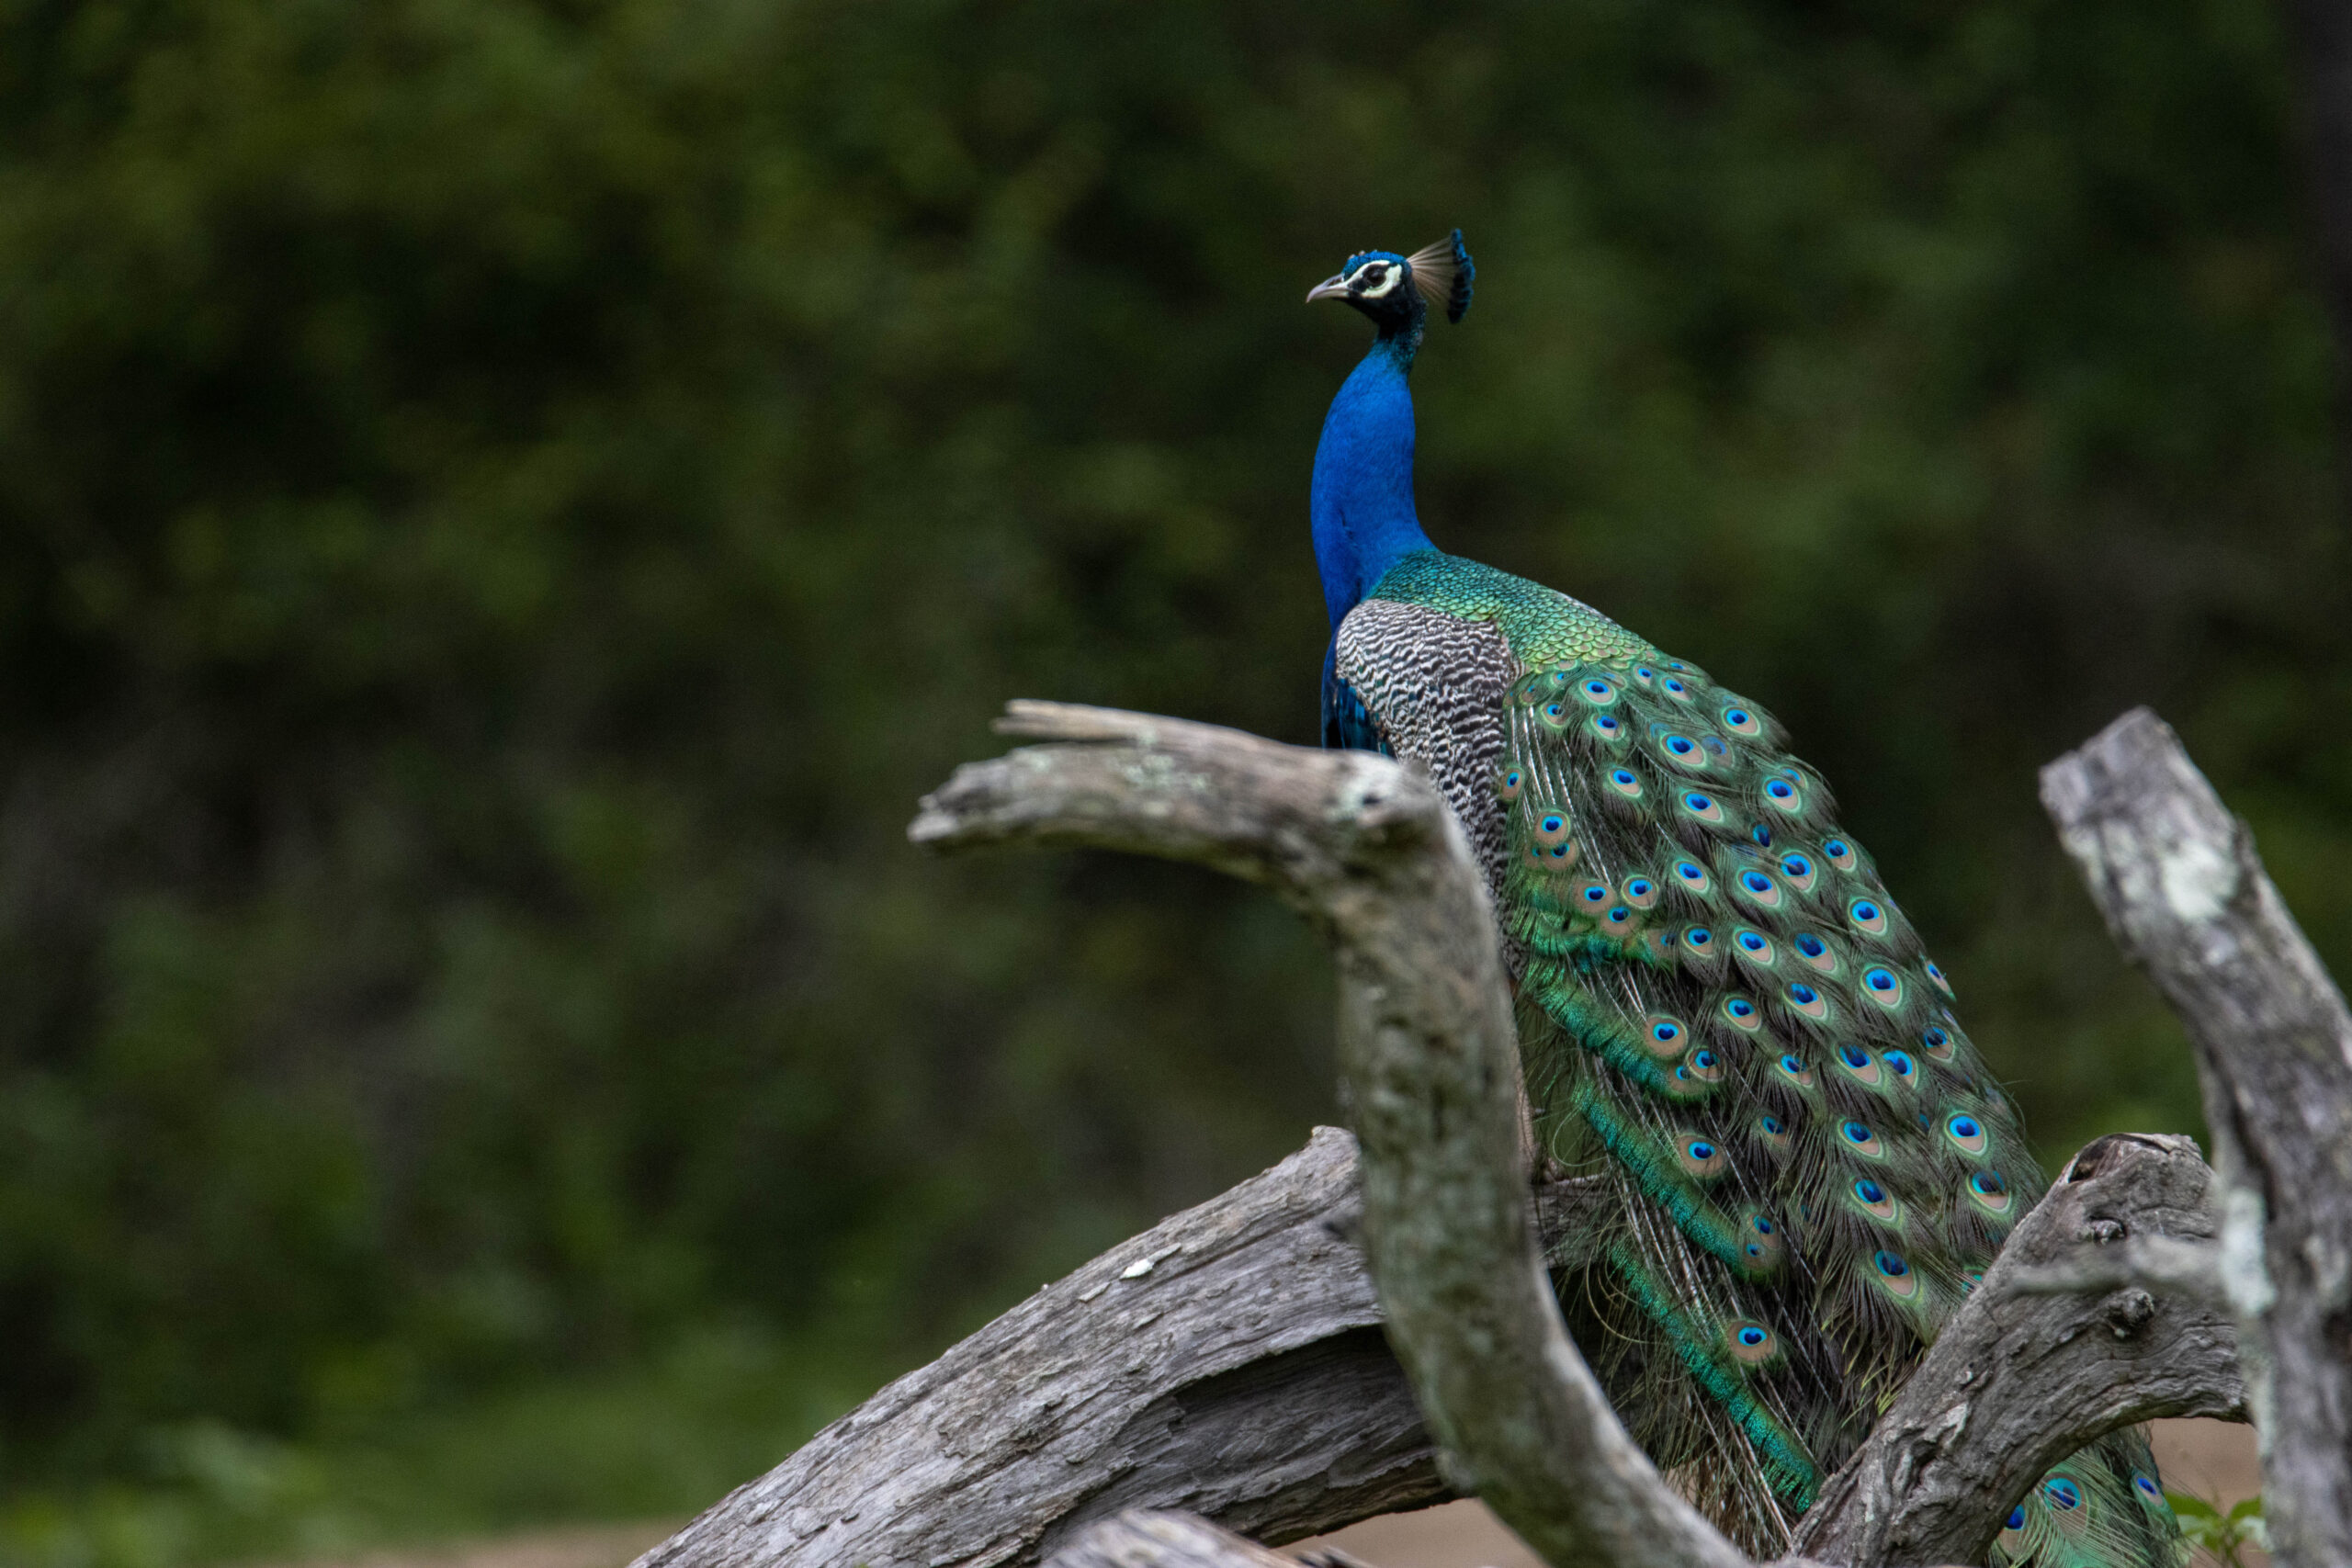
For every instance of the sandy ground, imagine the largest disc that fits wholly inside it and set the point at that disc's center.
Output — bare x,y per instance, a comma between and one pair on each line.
2208,1459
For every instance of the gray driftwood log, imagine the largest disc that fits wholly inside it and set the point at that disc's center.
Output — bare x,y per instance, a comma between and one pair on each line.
1229,1361
1428,1068
2185,896
1146,1538
1295,1419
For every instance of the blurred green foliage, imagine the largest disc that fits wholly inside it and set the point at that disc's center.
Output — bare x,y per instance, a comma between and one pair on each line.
504,506
2223,1539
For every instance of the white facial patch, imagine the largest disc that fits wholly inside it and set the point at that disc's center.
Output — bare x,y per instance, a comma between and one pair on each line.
1375,280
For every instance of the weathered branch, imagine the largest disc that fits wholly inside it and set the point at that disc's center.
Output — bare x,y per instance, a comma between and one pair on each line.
1142,1539
2188,1268
1429,1071
1262,1396
2185,895
1229,1360
2020,1378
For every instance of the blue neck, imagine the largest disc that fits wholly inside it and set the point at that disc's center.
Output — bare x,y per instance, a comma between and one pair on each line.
1363,501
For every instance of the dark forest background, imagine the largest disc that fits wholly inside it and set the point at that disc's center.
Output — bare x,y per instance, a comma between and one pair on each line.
504,506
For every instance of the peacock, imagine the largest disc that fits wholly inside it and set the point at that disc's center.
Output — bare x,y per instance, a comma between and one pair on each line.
1722,1012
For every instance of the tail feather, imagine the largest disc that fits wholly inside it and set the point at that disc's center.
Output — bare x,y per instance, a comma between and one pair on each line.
1726,1012
2102,1506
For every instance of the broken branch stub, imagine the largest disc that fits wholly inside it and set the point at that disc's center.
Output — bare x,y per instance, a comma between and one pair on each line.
2187,897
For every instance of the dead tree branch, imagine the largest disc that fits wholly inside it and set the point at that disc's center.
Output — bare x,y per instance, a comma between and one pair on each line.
1260,1394
1143,1538
2185,896
1229,1361
1429,1072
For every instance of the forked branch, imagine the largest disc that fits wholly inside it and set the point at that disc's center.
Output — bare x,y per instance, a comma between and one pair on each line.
1429,1072
1229,1362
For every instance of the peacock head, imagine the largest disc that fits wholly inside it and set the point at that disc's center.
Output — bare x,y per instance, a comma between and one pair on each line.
1396,292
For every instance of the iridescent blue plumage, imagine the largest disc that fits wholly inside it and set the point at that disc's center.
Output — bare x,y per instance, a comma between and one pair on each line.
1348,724
1362,500
1723,1013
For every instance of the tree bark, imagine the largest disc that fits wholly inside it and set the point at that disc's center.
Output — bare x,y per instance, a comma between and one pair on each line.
1428,1061
2185,893
1229,1360
1143,1538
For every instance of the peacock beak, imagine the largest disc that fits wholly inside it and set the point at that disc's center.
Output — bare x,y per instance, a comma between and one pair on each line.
1336,284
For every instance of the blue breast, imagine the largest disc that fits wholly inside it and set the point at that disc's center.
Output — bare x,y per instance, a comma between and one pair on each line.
1362,500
